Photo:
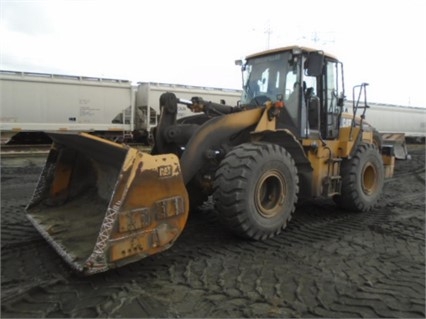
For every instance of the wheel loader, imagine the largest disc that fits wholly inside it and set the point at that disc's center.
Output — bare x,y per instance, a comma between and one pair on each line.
102,205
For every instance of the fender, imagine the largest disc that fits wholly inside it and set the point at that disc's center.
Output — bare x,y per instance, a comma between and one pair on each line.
213,133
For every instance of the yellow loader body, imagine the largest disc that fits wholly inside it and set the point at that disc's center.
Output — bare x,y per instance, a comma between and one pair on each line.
103,205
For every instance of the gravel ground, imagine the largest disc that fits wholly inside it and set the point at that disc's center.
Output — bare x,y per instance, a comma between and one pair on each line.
328,263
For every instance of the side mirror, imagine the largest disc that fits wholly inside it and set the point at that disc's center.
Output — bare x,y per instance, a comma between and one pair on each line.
242,64
314,63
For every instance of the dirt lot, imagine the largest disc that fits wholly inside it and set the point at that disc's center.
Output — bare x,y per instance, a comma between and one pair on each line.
328,263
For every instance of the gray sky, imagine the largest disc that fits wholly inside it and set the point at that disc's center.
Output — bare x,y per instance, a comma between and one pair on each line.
196,42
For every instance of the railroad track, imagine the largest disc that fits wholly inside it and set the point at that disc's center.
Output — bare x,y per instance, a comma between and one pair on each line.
30,150
24,150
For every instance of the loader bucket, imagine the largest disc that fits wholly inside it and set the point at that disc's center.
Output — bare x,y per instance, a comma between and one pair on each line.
397,140
102,205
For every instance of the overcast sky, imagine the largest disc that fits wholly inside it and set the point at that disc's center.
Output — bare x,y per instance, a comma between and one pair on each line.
196,42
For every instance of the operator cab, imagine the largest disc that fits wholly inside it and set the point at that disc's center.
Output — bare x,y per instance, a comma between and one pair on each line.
309,82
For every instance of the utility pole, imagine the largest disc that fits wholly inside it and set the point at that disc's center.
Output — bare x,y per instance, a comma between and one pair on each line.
268,33
315,38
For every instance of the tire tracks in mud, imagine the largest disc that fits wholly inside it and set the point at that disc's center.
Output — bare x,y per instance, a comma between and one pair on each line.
213,284
413,167
327,263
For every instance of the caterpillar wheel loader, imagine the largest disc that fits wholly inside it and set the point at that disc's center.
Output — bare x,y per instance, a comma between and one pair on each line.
102,205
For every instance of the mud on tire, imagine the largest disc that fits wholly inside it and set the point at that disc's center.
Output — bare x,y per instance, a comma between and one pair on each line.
377,139
255,190
362,179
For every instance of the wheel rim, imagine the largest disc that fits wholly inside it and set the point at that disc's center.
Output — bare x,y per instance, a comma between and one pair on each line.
270,194
369,179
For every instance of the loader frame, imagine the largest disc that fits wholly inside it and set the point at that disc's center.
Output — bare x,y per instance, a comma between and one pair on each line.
256,160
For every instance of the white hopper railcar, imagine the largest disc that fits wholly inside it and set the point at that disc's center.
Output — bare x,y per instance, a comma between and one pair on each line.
37,102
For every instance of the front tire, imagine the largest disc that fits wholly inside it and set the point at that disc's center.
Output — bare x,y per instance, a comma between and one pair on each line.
362,179
255,190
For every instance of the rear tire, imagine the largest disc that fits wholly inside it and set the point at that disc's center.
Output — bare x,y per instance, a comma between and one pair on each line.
377,139
255,190
362,179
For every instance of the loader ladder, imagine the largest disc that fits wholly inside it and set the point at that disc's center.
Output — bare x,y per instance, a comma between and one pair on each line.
332,183
362,91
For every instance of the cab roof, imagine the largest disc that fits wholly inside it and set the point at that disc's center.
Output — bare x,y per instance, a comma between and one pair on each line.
289,48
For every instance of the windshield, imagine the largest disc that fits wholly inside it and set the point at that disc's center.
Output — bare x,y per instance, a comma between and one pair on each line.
264,78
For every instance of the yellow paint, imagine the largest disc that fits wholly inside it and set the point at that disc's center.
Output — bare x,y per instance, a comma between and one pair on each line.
264,124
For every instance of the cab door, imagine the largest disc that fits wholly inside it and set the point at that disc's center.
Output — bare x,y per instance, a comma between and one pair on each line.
333,93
